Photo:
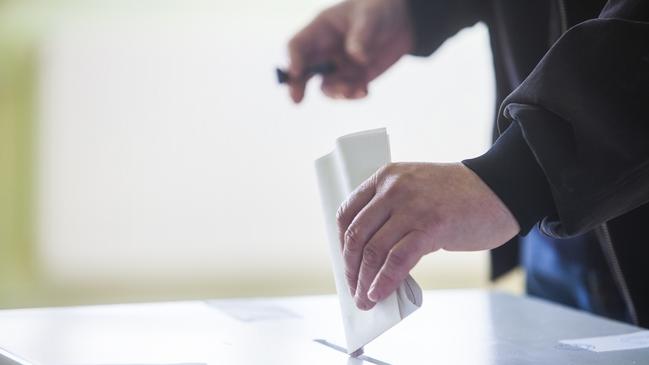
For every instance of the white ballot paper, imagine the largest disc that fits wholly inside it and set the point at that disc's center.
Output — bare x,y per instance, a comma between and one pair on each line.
354,159
627,341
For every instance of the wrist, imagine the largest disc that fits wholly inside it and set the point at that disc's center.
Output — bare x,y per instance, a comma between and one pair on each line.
495,209
511,171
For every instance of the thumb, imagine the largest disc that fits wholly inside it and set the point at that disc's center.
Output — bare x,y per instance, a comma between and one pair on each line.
358,39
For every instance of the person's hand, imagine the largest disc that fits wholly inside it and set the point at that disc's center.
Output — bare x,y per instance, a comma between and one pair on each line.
407,210
362,38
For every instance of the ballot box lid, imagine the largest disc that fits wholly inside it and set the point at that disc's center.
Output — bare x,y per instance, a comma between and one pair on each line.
452,327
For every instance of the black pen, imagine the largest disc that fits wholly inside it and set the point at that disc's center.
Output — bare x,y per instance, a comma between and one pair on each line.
318,69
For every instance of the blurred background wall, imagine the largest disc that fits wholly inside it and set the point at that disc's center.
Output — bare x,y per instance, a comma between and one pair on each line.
146,152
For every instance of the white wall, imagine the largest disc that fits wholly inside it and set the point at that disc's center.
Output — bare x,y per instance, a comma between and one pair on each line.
167,153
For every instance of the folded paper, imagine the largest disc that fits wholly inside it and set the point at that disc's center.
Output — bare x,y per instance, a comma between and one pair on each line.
354,159
626,341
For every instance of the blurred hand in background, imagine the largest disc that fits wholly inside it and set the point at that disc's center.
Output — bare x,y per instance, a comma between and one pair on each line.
363,38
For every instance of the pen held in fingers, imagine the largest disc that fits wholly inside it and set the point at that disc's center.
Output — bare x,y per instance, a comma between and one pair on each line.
283,77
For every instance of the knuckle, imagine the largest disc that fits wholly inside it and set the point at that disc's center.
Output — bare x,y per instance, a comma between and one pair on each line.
396,179
352,238
369,184
371,256
350,276
389,276
404,179
394,189
343,218
402,188
384,171
398,260
340,215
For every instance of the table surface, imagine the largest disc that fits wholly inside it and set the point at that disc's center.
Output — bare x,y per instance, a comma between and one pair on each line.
453,327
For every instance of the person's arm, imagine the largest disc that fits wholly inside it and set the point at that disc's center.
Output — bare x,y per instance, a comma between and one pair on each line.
434,21
408,210
581,131
363,38
584,115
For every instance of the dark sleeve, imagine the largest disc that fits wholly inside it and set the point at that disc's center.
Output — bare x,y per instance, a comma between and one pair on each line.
511,171
436,20
584,114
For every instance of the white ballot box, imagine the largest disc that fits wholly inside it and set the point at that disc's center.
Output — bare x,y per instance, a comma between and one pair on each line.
453,327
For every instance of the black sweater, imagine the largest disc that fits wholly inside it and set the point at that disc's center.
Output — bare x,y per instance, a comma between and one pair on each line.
573,79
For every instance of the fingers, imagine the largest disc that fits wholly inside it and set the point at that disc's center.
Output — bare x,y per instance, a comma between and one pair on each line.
374,255
380,241
356,201
360,231
298,52
400,260
358,38
338,86
317,43
357,220
348,82
328,40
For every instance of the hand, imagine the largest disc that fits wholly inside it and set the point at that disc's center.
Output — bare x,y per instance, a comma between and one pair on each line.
407,210
362,37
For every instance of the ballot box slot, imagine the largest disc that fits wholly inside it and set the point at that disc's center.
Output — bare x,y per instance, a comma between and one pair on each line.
344,351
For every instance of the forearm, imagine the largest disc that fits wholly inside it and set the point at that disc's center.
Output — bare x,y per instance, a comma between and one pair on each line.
583,112
575,142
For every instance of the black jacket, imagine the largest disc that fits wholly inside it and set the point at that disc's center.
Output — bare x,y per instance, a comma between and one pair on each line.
572,82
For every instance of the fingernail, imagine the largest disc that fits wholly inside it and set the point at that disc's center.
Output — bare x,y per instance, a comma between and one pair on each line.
359,94
362,305
352,291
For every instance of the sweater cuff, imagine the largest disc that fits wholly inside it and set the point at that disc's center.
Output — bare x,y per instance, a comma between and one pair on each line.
510,169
